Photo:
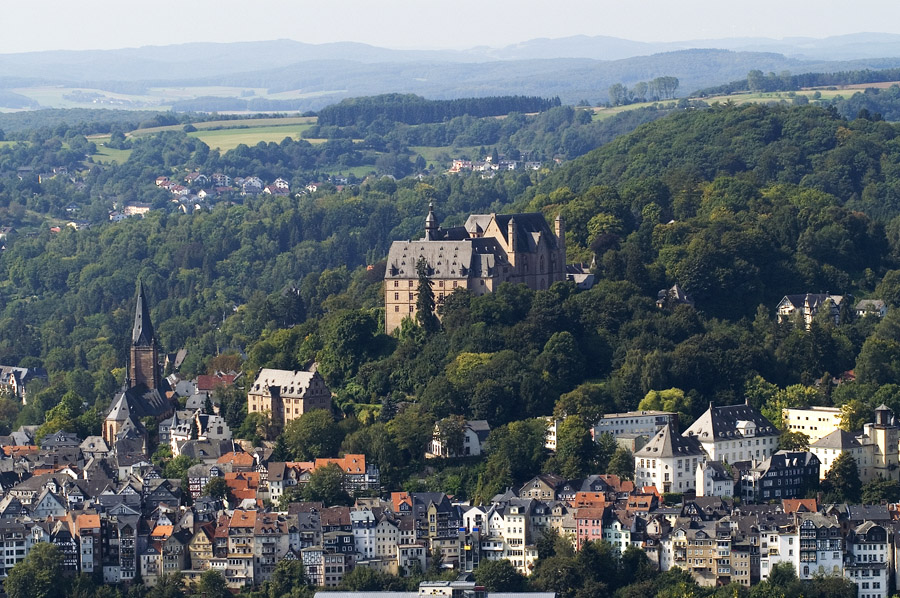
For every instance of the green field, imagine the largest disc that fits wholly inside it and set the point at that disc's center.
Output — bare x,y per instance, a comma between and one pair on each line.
431,153
232,124
226,139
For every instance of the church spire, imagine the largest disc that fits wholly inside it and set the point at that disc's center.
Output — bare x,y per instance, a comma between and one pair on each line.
142,335
143,363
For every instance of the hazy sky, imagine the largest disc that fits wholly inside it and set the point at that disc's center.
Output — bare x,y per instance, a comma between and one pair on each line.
89,24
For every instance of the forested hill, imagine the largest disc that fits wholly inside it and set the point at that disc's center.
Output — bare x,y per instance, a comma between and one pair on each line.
739,205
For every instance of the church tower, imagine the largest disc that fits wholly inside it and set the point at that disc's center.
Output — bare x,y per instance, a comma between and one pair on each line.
143,366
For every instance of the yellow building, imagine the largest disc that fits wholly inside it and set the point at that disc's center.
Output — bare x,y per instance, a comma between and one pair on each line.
287,394
815,422
488,250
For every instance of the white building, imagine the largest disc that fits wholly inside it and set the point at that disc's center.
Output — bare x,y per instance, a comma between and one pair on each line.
669,462
734,433
475,433
813,546
876,450
713,479
867,560
646,423
815,422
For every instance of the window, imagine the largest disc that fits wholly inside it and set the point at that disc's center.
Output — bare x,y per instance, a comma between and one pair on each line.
396,296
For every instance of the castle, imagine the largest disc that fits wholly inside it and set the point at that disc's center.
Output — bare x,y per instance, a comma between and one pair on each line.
488,250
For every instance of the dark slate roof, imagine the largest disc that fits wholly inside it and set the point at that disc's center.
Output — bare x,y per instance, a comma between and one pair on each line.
667,443
445,259
480,427
878,513
720,423
139,402
788,459
839,439
60,439
142,335
529,229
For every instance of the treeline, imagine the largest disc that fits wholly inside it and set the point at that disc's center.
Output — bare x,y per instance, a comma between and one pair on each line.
661,88
412,109
220,104
784,81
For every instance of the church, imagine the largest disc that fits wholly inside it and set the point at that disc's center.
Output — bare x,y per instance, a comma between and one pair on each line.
144,393
488,250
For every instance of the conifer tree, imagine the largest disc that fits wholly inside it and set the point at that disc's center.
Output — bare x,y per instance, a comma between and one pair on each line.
425,300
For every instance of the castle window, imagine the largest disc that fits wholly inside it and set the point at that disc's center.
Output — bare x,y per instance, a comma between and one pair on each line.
396,283
396,296
396,308
410,284
441,284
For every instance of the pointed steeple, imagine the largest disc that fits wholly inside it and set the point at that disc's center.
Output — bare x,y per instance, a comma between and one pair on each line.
143,362
142,335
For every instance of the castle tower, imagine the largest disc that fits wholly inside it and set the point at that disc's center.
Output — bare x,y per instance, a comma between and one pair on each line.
143,366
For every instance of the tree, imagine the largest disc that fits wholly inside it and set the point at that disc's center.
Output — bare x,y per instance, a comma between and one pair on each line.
326,484
312,435
880,491
37,575
216,488
452,434
793,441
622,464
574,448
287,580
425,315
212,584
841,483
499,576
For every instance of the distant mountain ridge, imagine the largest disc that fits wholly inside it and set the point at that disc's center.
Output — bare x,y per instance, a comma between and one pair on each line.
314,75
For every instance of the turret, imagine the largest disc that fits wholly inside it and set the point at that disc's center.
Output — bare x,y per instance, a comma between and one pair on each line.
431,225
511,234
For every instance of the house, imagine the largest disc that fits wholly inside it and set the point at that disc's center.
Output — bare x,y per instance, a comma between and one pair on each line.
488,250
136,209
807,306
475,433
286,395
15,380
868,562
786,474
714,479
669,461
869,307
670,298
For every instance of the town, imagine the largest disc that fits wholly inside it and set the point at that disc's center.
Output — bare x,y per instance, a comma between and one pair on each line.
721,499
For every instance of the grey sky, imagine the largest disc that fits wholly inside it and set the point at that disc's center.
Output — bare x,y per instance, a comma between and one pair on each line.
89,24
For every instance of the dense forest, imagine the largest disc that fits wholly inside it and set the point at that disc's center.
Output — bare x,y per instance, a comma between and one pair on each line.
415,110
